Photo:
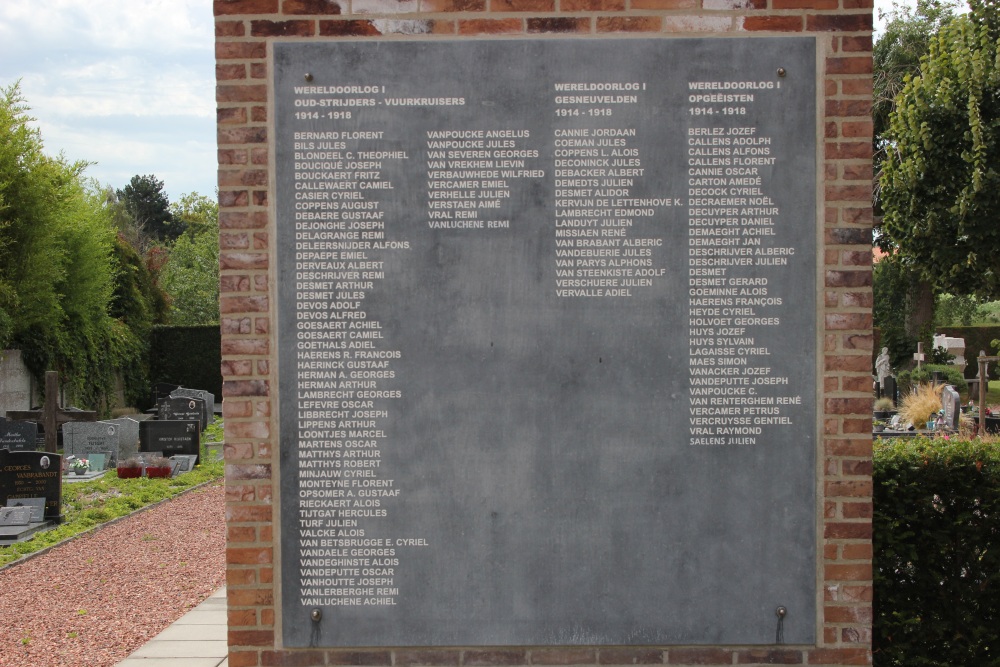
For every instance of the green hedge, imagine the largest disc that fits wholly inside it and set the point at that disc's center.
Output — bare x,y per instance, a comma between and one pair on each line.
188,356
926,373
936,553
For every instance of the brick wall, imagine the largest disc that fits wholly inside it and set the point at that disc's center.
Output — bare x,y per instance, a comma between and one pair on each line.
843,28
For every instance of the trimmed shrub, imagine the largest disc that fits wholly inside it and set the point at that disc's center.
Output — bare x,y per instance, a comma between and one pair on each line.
936,552
926,373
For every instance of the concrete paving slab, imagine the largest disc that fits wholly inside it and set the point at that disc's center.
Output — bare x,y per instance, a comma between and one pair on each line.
182,649
190,633
173,662
197,639
201,616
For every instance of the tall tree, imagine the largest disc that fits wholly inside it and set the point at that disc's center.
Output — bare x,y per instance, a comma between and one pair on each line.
195,213
904,301
191,274
897,53
148,207
940,182
57,269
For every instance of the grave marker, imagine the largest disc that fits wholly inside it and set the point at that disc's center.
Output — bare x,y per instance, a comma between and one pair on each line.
208,409
170,438
128,436
32,475
185,462
19,435
36,507
83,439
952,407
15,516
182,408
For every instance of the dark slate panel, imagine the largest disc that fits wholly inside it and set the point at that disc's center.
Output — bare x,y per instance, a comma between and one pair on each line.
547,341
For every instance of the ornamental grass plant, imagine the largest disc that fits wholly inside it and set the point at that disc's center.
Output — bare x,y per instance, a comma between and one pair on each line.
921,404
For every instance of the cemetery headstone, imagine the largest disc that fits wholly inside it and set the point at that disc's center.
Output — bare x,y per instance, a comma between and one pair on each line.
32,475
128,437
185,462
182,408
15,516
35,506
170,437
18,435
952,407
209,408
83,439
890,388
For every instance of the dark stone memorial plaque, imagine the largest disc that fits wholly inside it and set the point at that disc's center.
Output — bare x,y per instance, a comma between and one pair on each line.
32,475
35,507
18,435
181,408
181,464
169,438
207,403
548,342
15,516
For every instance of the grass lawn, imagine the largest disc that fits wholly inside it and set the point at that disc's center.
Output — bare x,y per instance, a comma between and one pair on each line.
91,503
992,394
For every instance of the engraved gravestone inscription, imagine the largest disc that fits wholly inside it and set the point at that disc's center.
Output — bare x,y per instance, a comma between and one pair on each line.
18,435
25,475
169,438
81,439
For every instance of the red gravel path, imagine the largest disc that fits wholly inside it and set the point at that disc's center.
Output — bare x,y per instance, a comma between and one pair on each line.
94,600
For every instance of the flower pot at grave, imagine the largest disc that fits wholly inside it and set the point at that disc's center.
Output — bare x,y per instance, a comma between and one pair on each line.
80,471
129,473
152,471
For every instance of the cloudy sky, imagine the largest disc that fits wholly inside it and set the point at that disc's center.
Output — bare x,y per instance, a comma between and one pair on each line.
125,84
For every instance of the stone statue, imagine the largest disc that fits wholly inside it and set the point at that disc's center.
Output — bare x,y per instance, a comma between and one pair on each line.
882,367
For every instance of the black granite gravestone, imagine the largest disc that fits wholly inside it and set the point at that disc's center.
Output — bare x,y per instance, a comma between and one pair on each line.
18,435
208,402
32,475
183,409
890,389
170,437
